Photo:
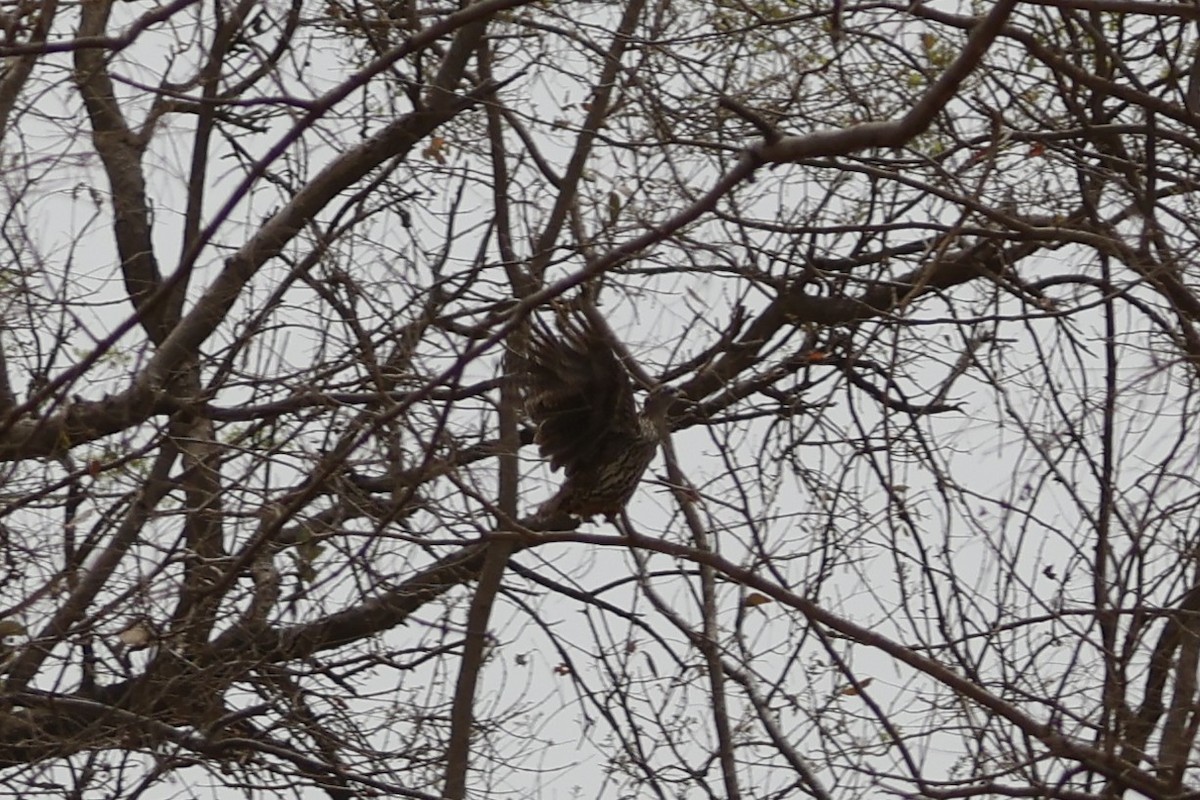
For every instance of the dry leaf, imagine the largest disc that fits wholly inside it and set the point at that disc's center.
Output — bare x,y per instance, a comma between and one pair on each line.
136,636
436,150
852,691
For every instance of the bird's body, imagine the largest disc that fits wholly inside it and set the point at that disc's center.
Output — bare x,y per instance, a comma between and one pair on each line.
607,482
579,395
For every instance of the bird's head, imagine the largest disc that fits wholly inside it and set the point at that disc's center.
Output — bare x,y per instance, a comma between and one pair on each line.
660,401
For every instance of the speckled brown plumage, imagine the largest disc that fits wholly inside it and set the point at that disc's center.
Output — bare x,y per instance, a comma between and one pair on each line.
579,396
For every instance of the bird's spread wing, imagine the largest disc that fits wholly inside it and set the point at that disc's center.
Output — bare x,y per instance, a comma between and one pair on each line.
576,391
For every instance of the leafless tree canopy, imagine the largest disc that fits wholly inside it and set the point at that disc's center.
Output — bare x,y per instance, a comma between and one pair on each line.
925,522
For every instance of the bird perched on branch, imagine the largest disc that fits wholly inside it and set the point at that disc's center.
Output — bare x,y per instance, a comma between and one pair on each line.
579,396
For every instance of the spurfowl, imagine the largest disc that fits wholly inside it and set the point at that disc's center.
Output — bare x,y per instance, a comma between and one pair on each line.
580,398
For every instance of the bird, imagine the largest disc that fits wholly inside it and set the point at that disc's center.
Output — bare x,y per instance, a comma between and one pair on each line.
579,396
